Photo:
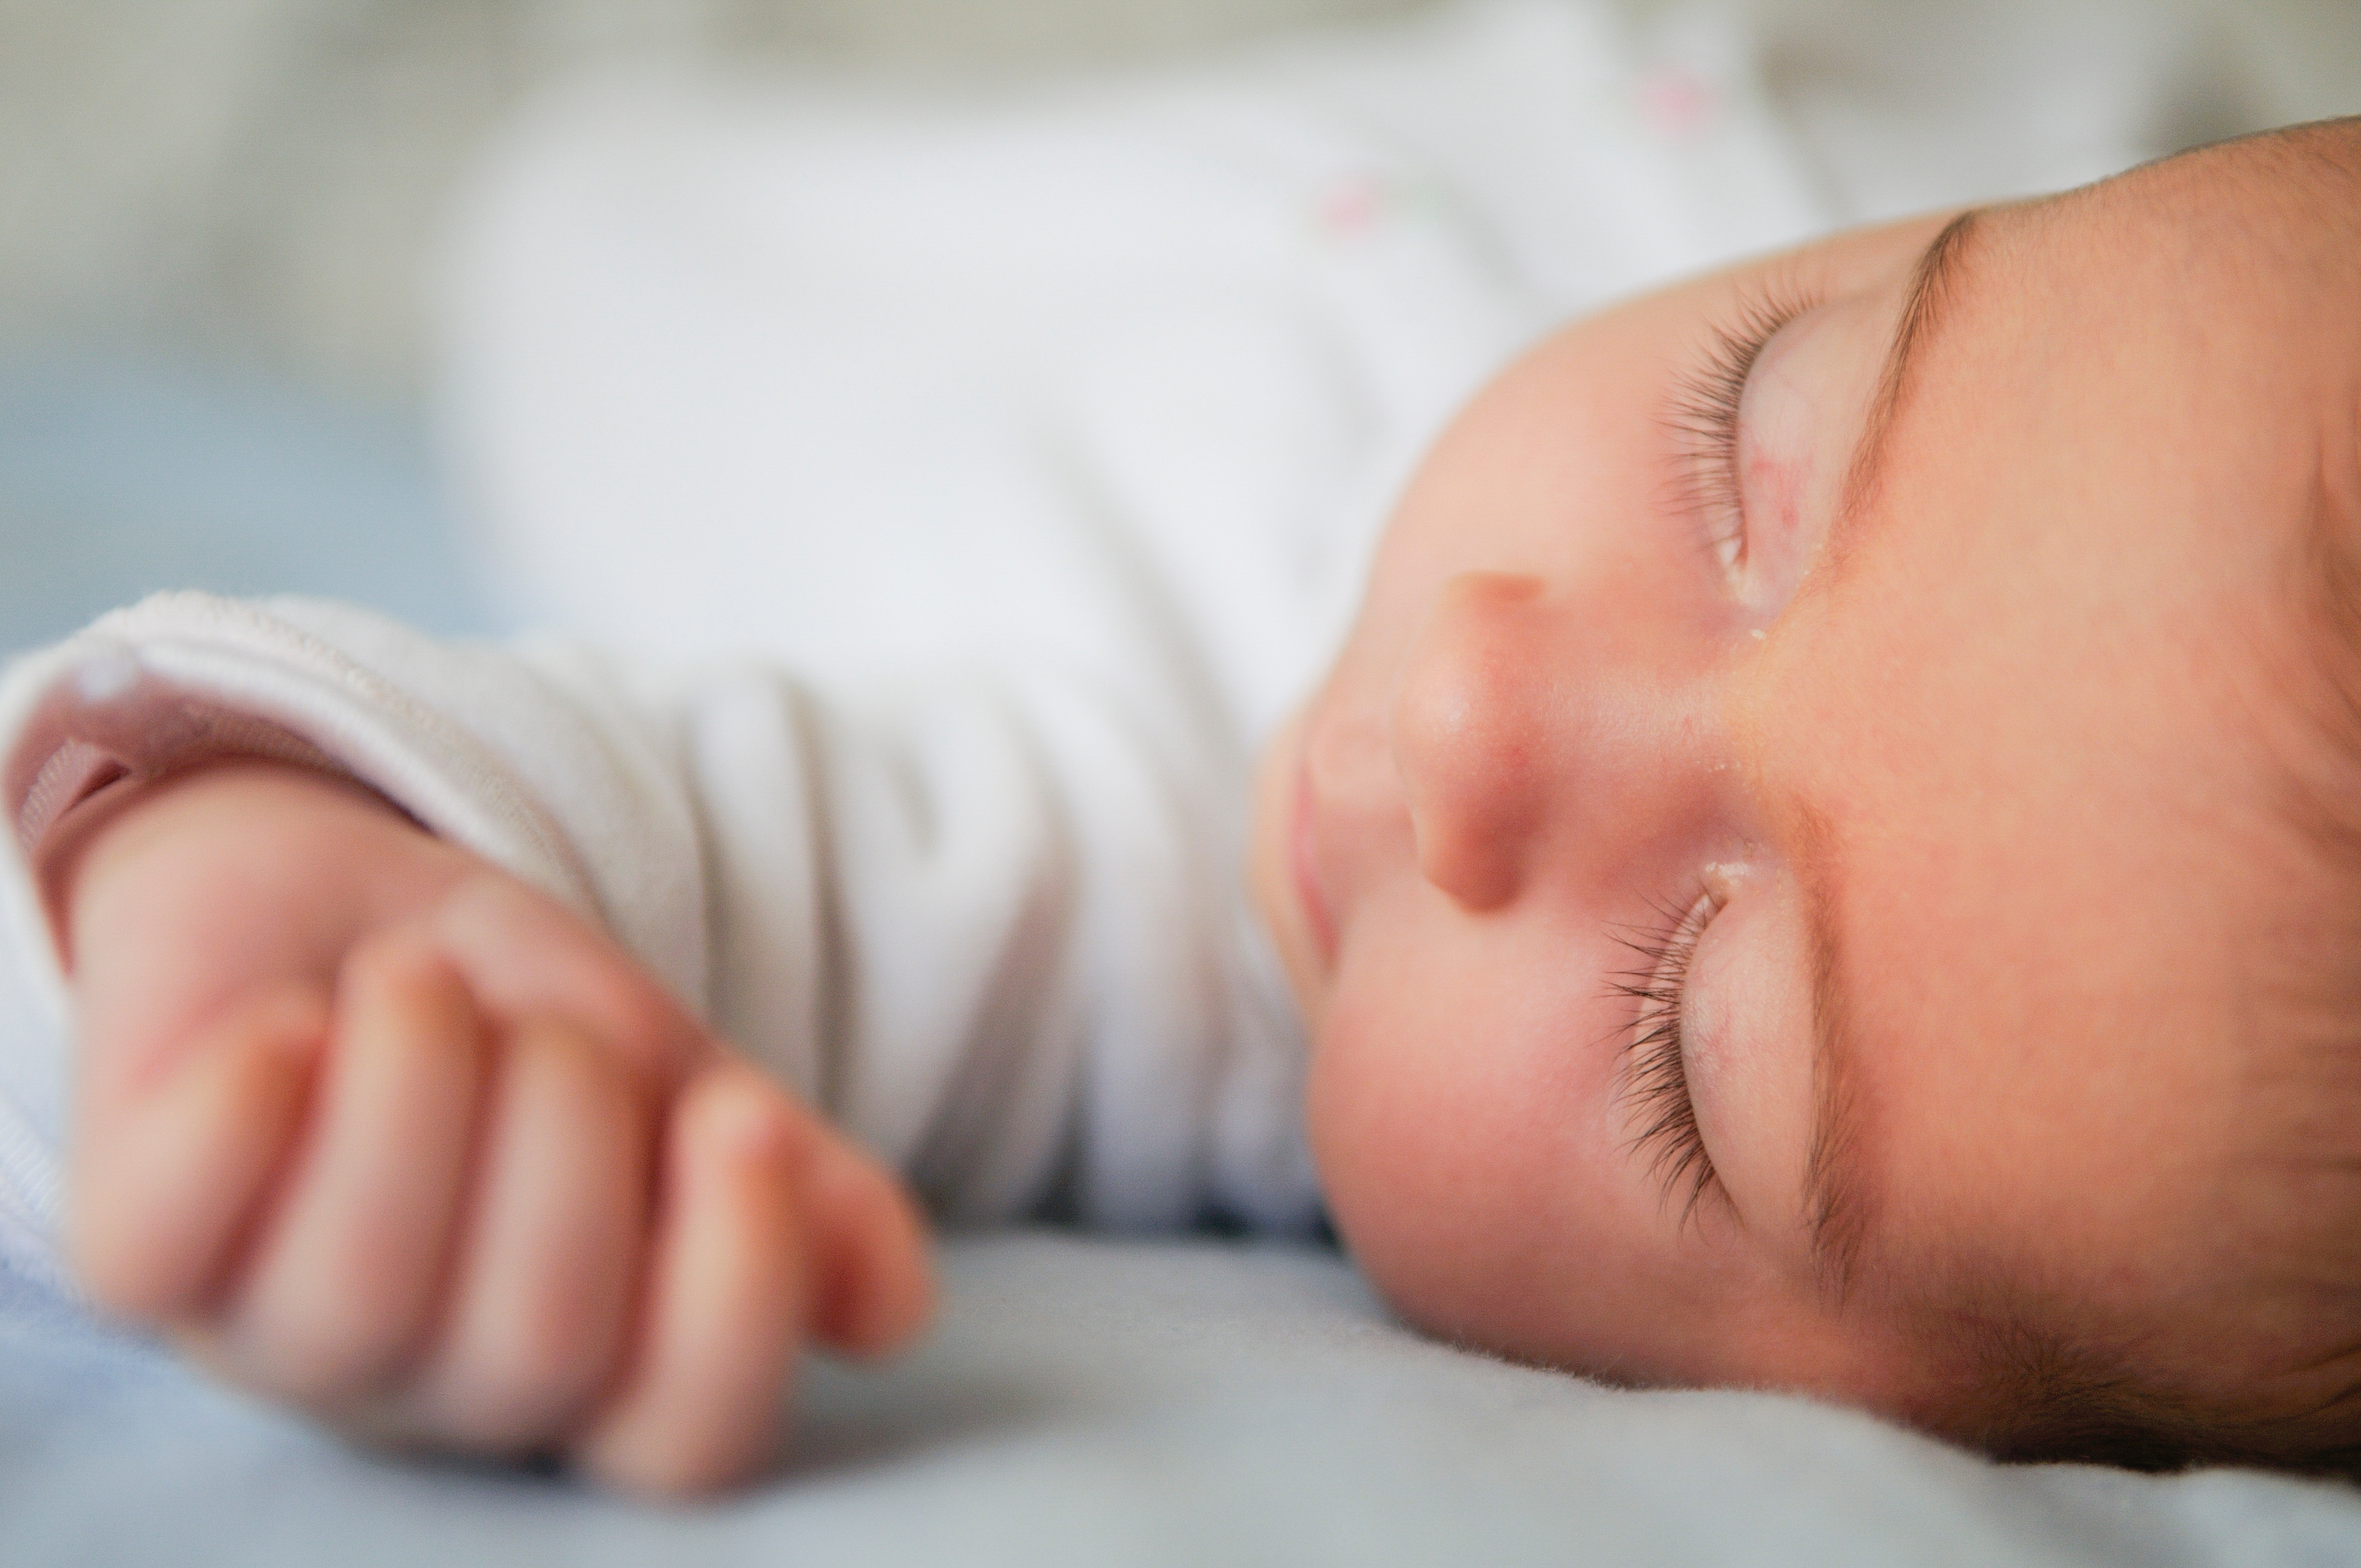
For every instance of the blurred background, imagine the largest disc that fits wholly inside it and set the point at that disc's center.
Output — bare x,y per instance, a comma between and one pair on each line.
218,219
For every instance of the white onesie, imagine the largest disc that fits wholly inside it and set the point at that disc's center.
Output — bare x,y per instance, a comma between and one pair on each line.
954,495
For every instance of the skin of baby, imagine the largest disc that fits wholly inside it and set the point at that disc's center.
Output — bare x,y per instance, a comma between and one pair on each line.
1957,776
375,1130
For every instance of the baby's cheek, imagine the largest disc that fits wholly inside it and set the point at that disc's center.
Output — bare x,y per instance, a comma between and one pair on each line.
1373,1158
1434,1167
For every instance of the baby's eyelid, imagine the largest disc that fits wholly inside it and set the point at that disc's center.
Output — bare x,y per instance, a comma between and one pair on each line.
1705,413
1690,931
1655,1085
1742,431
1730,543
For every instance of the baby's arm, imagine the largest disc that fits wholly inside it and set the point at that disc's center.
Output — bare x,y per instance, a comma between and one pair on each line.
971,915
375,1129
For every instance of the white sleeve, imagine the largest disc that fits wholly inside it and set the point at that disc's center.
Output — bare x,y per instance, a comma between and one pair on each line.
988,922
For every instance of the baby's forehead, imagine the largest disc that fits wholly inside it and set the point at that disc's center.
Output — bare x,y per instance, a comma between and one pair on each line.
2057,841
2283,205
2059,785
2221,287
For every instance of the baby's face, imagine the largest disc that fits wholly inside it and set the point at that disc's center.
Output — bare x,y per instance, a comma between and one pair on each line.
1779,874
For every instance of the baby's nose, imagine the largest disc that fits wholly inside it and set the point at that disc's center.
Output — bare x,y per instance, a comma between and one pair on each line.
1472,722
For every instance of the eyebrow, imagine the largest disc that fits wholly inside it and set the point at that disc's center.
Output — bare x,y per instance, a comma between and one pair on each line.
1836,1199
1838,1202
1934,283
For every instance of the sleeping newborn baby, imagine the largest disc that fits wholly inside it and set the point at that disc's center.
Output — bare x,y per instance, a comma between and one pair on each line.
1825,862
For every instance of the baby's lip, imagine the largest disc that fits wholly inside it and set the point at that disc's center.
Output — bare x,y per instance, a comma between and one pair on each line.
1303,862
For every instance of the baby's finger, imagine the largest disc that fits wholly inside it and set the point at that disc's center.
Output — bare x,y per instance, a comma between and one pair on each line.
700,1406
166,1185
526,958
874,1280
344,1276
542,1287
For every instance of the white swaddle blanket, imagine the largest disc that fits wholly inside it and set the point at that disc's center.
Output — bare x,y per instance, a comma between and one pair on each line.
706,338
686,315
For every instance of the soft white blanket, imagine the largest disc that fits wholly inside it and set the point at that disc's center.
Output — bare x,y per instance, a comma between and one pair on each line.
1094,1402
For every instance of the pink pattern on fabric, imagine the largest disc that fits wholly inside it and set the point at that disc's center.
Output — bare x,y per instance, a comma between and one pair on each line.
1676,102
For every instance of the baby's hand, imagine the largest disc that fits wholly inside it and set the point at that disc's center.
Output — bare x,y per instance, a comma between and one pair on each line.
375,1130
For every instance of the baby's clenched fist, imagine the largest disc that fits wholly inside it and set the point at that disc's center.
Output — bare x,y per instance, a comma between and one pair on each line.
374,1130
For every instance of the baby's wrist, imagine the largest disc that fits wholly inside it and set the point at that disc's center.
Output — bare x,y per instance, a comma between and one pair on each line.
130,818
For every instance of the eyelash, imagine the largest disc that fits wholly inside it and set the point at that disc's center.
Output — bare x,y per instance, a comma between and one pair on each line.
1655,1066
1703,421
1703,417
